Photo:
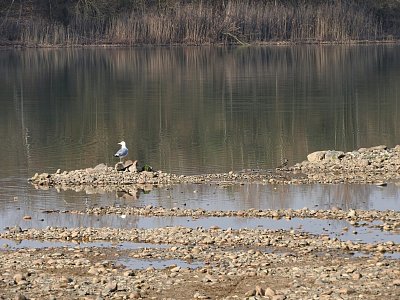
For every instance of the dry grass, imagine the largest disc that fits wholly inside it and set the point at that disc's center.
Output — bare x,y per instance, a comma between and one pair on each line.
196,22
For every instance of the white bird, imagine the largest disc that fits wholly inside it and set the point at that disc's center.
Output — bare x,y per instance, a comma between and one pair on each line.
122,152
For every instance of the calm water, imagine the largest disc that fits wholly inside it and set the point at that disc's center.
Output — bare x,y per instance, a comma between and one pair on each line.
194,110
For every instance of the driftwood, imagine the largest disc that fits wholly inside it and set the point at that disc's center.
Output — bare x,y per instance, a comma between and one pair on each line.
236,39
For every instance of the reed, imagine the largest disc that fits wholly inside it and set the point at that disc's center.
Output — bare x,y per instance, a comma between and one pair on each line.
194,22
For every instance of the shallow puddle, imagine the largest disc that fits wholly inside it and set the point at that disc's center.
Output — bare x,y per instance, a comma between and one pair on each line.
7,244
141,264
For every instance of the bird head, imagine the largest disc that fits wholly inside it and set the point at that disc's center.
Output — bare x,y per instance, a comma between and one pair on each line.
122,143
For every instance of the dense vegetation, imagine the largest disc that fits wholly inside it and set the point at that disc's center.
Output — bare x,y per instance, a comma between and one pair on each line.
131,22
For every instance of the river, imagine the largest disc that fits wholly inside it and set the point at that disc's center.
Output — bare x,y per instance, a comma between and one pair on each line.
192,110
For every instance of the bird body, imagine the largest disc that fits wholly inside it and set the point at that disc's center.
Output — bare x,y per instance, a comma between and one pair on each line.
122,152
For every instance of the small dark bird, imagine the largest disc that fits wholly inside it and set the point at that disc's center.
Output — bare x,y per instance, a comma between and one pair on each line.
284,164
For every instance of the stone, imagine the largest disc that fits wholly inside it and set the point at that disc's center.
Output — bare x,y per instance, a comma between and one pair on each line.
396,282
135,295
334,155
100,167
316,156
278,297
111,287
128,163
200,296
119,166
20,297
259,291
250,293
176,269
269,292
133,167
18,278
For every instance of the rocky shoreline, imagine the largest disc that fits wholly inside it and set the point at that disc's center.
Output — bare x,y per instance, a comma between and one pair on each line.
231,264
210,263
375,165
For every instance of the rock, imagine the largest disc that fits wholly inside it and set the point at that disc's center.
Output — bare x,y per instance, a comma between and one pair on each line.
269,292
259,291
111,287
176,269
334,155
15,229
278,297
18,278
93,271
316,156
396,282
119,166
100,167
135,295
20,297
133,168
129,273
351,214
250,293
200,296
128,163
34,177
378,148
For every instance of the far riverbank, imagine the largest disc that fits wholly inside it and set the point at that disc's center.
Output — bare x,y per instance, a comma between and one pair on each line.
122,23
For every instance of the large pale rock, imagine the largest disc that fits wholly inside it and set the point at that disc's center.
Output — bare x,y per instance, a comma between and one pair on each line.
100,167
316,156
333,155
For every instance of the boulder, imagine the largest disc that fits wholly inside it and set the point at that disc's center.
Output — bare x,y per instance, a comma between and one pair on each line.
334,155
120,166
316,156
100,167
128,163
133,168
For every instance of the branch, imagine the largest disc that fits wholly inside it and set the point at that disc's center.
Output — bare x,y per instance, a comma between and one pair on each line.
236,39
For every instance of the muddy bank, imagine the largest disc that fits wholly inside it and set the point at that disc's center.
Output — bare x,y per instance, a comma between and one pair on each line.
375,165
232,264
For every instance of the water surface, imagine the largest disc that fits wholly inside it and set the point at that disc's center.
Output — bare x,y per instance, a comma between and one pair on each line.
192,110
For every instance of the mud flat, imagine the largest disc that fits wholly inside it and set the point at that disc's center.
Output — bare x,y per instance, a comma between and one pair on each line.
375,165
